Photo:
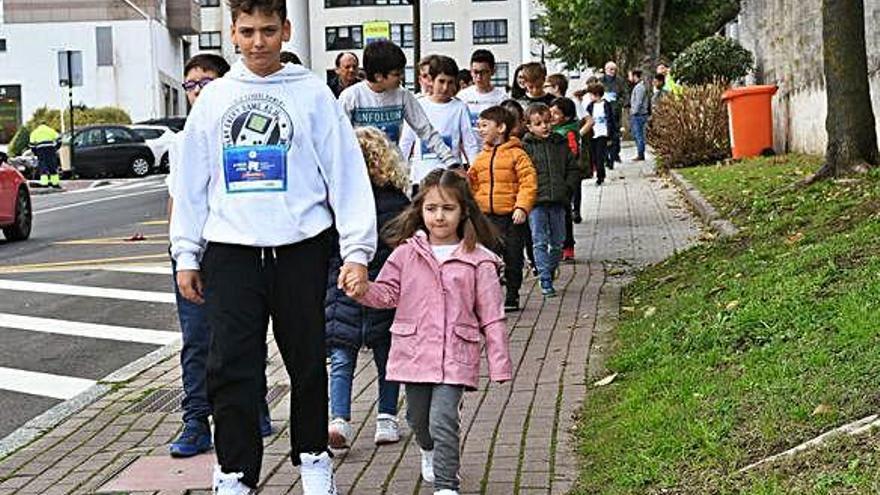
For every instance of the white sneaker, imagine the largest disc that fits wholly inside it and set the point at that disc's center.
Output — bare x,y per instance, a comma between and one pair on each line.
428,465
387,429
446,492
229,483
339,434
316,472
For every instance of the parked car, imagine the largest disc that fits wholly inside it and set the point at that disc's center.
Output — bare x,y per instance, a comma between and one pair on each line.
16,215
110,150
159,139
26,163
174,123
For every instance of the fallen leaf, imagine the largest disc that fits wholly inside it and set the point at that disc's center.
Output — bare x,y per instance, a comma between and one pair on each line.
605,381
794,238
821,409
731,305
650,311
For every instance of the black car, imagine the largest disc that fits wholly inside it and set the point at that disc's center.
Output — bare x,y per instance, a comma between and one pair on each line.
110,150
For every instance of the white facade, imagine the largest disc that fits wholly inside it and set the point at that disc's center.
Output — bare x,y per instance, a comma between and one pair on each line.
144,78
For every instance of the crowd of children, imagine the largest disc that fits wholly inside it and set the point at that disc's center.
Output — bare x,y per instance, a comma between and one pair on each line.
403,228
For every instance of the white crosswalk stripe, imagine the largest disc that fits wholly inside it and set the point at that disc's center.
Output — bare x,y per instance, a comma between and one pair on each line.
44,384
145,269
92,330
88,291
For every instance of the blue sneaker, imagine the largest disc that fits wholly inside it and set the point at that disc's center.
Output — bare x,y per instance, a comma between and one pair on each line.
193,440
547,289
265,425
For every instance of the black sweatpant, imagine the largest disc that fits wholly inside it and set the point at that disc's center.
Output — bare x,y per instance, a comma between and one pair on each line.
512,236
244,287
599,157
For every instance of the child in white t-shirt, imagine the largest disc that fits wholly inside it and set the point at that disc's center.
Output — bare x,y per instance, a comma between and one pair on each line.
601,123
448,116
482,94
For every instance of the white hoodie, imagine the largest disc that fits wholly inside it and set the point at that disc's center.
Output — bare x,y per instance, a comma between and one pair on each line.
269,161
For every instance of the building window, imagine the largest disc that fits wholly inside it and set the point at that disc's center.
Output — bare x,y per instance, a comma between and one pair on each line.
535,28
502,74
210,40
489,32
402,35
104,45
443,31
2,44
209,3
409,77
344,37
329,4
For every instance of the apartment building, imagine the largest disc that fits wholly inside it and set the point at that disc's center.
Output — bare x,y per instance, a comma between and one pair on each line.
132,55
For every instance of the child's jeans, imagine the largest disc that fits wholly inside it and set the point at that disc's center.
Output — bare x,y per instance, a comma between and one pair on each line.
342,365
548,233
433,414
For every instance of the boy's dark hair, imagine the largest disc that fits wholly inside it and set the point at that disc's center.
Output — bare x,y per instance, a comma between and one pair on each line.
290,58
483,56
536,109
383,57
596,89
443,65
342,54
637,73
514,107
474,227
533,71
207,62
566,106
559,81
464,76
267,7
500,115
660,78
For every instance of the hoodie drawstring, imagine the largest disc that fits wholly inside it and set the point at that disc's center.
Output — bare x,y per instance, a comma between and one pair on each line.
263,256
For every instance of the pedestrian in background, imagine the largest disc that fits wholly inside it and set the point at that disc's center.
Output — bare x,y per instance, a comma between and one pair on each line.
615,93
483,94
598,127
563,116
44,143
444,283
346,73
351,326
639,105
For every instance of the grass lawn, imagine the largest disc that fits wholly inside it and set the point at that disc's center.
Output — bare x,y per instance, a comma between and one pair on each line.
742,348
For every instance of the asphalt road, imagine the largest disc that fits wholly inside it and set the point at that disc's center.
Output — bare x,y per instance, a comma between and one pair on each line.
79,299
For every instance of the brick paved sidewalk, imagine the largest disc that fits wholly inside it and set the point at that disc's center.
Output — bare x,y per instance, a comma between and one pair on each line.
516,437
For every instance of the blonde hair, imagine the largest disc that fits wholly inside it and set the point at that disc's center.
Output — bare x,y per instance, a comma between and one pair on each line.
384,163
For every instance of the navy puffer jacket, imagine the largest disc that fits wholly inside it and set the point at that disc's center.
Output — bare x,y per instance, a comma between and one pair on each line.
348,323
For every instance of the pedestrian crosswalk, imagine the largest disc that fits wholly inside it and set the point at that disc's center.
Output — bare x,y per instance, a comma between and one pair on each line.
75,327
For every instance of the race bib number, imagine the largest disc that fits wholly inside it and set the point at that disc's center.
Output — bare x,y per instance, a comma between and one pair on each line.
255,168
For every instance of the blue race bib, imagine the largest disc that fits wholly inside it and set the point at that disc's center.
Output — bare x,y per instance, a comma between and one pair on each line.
255,168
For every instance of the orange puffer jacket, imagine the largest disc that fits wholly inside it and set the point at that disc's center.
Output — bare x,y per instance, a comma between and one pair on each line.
503,179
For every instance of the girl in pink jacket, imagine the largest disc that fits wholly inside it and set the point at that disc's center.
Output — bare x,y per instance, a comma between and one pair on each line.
444,282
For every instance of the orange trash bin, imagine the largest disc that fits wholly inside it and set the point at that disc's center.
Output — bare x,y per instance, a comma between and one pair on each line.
750,115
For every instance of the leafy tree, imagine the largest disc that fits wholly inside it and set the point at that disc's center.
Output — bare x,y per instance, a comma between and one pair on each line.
711,59
590,32
852,138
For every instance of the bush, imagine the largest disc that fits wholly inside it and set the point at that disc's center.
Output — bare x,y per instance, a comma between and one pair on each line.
691,128
83,116
19,141
712,59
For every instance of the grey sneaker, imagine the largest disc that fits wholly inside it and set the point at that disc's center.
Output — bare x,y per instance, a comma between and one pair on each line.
339,434
387,429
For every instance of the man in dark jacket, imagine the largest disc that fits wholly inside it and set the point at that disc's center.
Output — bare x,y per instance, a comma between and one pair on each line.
558,175
615,94
346,72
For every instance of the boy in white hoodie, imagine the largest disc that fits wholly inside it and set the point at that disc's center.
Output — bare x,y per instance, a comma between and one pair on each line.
273,161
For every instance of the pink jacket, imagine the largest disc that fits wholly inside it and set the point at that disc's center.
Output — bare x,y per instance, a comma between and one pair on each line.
435,337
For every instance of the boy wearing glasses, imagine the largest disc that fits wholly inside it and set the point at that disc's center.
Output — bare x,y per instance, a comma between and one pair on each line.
482,94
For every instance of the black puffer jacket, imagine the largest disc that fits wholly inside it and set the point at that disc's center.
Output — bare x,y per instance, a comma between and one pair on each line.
348,324
556,167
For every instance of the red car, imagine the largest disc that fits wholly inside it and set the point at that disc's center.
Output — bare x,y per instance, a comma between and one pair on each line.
16,214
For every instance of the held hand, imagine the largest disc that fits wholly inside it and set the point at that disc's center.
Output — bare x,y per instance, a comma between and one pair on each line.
519,216
352,279
189,283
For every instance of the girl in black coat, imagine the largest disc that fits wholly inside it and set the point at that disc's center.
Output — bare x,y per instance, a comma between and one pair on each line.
350,326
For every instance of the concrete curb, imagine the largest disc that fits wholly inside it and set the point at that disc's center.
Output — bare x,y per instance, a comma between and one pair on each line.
708,214
45,422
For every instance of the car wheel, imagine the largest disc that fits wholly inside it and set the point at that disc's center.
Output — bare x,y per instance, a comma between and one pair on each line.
163,164
21,229
139,166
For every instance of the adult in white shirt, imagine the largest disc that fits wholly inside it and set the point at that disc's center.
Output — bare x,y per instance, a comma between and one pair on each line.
482,94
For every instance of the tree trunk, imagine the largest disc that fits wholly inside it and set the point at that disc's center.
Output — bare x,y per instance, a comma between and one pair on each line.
652,21
852,137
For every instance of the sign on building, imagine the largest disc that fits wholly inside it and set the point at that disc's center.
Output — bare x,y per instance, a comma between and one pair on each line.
376,30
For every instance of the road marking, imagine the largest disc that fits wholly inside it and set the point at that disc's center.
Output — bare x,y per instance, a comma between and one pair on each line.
90,330
155,222
145,269
99,200
112,242
44,384
78,264
87,291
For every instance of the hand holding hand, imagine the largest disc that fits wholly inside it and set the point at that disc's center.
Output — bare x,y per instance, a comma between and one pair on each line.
189,283
519,216
353,279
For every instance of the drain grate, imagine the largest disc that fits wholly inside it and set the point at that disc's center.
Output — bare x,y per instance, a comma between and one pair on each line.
167,400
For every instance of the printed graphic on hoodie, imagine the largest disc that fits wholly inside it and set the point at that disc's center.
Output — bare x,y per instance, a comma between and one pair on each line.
257,132
386,119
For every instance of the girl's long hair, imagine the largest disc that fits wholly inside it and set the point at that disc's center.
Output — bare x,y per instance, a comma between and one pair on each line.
474,226
384,163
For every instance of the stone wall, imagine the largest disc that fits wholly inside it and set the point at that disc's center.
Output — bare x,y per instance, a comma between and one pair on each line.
786,38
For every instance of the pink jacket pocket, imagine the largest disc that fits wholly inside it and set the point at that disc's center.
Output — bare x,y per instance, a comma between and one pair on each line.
466,346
